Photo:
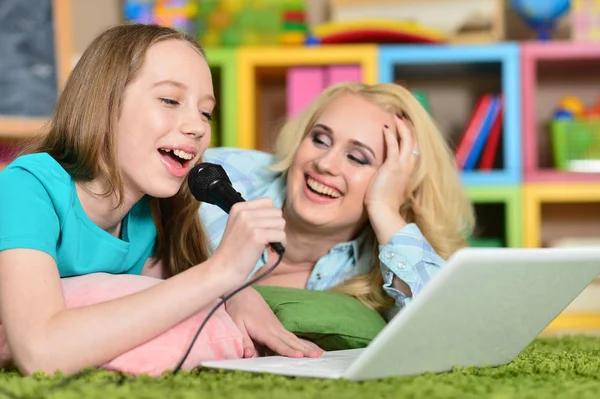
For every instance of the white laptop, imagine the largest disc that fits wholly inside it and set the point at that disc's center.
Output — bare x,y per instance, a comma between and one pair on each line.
482,309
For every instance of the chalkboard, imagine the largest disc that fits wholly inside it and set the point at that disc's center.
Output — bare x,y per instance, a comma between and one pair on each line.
28,72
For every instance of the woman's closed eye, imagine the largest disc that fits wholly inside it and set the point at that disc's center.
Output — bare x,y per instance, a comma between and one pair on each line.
359,159
321,139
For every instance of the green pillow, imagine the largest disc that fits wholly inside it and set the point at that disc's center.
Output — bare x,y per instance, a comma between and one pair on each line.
332,320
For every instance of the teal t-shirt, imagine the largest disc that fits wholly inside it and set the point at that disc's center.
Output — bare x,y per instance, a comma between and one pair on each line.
40,209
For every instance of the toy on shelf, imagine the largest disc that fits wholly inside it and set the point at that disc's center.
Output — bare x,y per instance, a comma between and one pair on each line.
585,17
457,21
294,23
251,22
573,107
226,23
569,107
177,14
575,135
380,31
541,15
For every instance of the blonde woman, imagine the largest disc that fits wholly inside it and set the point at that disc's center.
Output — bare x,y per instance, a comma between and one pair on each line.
372,201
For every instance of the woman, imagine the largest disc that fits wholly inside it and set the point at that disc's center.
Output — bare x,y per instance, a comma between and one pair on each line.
372,201
104,191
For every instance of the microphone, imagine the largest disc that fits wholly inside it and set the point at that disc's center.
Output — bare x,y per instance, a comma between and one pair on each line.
209,183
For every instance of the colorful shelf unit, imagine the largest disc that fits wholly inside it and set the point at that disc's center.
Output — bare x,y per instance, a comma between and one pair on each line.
518,201
550,71
502,224
222,62
270,65
464,73
556,210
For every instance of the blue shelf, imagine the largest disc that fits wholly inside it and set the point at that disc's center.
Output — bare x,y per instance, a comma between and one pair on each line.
507,55
490,178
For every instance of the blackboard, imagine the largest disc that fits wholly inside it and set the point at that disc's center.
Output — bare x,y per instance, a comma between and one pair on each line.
28,72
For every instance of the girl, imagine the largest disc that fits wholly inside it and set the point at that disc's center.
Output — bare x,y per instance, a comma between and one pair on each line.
104,191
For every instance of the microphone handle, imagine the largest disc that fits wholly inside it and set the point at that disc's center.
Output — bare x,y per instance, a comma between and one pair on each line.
224,195
226,198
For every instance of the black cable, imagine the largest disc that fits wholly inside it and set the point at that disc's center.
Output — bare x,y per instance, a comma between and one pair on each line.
122,376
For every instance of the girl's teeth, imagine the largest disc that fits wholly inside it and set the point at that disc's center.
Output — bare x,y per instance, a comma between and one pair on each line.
180,153
321,189
183,154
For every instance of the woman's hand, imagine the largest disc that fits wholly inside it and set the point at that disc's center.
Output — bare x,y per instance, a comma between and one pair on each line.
261,328
251,226
389,187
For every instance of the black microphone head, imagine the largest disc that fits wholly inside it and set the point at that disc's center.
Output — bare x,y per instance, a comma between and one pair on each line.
202,176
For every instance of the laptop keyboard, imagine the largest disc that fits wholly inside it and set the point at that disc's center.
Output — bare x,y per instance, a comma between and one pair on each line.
329,361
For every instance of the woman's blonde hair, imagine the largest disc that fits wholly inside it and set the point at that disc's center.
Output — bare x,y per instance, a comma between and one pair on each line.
436,200
81,135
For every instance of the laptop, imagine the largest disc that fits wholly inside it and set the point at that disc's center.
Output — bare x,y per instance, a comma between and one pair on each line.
482,309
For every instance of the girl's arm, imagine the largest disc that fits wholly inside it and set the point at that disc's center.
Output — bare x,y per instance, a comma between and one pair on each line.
46,336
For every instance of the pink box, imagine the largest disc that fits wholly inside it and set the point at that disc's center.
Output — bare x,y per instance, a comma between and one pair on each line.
303,85
343,73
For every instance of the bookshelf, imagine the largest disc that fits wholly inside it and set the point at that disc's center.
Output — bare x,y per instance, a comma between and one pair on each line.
556,203
454,77
521,201
550,71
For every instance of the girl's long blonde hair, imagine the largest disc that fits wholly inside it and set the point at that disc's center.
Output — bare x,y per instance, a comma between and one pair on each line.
436,200
81,135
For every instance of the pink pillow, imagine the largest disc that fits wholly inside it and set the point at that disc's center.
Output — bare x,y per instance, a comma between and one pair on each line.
219,339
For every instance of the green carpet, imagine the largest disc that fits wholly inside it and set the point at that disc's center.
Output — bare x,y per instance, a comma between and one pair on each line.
549,367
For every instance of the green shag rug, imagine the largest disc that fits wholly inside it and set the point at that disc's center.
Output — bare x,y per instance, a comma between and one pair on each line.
555,368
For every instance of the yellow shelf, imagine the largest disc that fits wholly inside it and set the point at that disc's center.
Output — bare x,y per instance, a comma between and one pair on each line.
574,322
248,59
534,195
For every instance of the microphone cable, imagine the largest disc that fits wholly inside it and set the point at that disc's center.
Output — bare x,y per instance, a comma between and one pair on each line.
123,376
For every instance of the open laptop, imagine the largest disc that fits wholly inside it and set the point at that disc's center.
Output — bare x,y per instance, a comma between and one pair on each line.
482,309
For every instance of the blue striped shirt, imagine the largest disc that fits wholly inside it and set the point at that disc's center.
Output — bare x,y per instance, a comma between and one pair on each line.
408,255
